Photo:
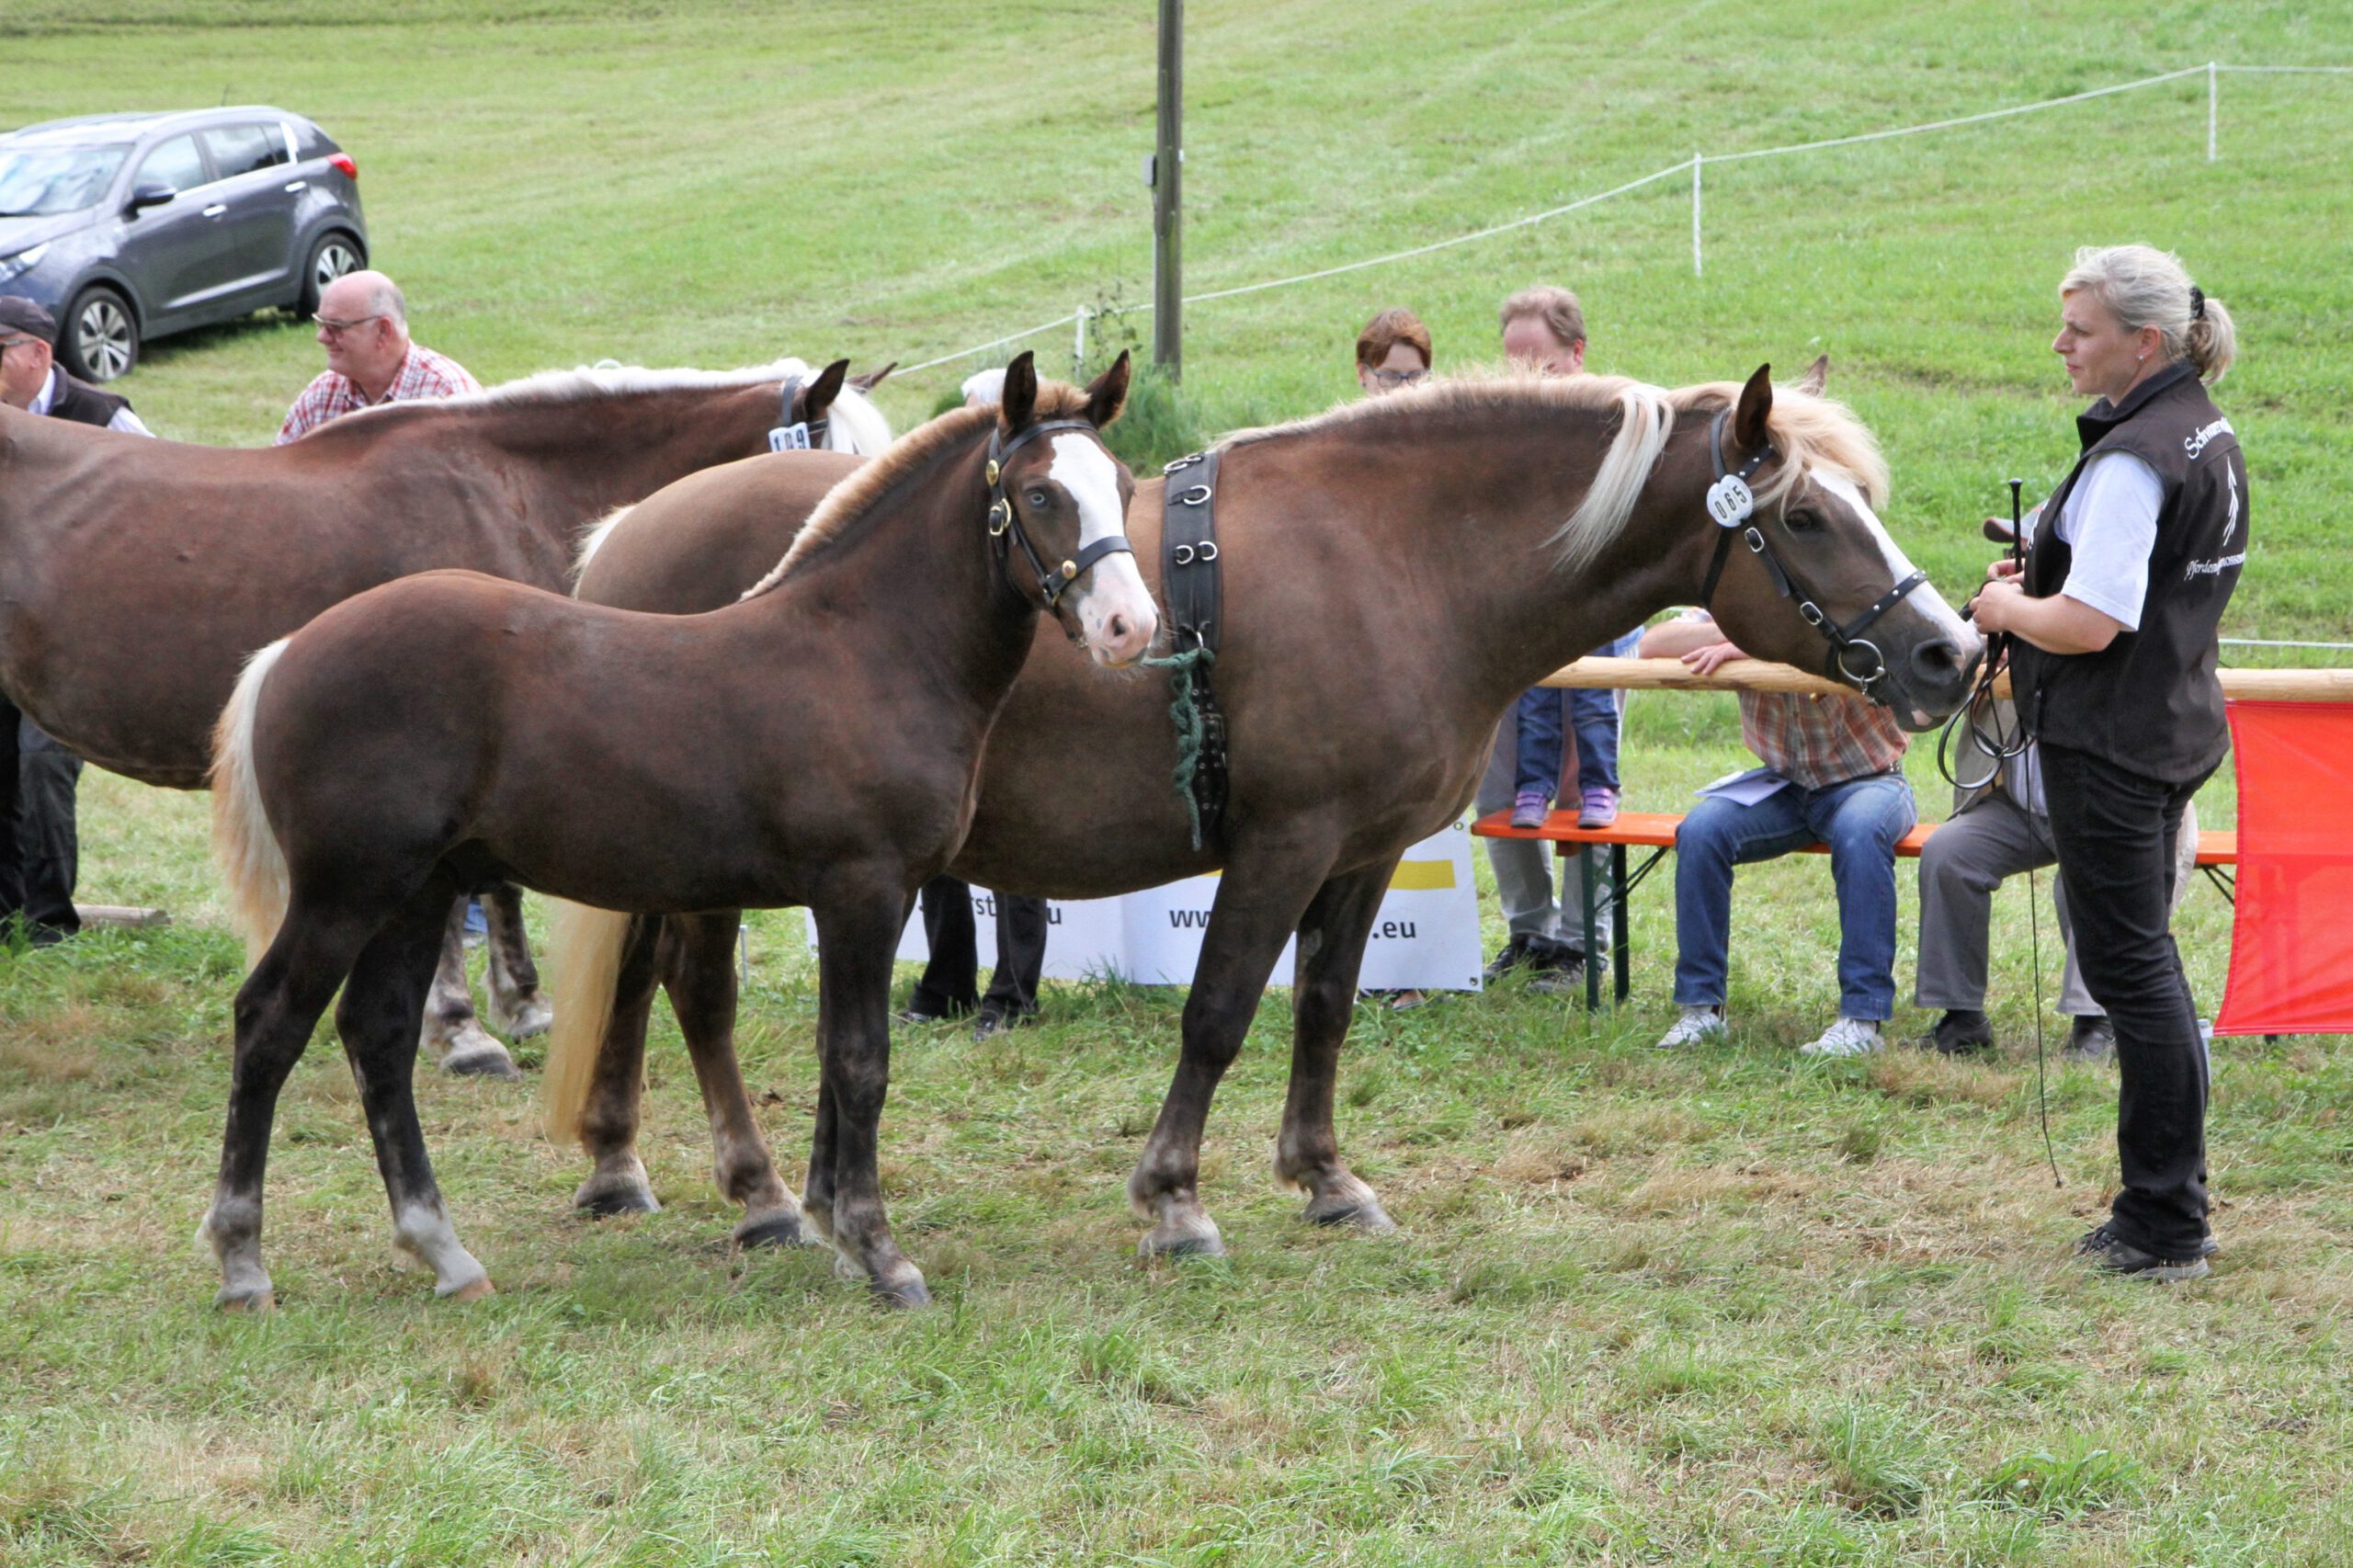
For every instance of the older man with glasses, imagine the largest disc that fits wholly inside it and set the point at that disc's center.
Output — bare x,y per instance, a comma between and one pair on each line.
39,843
363,325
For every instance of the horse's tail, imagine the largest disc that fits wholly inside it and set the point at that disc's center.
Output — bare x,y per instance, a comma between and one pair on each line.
584,961
592,538
247,852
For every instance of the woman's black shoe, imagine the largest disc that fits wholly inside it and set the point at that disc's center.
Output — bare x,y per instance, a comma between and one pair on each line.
2093,1039
1960,1032
2111,1254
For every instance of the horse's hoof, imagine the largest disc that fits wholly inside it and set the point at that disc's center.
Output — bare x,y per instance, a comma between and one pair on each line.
1362,1214
533,1017
1183,1240
249,1301
485,1060
905,1292
607,1202
473,1289
781,1231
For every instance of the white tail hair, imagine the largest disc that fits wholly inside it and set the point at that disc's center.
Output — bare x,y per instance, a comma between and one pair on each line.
251,862
583,963
1645,419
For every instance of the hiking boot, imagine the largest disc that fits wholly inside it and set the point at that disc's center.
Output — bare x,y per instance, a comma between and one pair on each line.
1694,1026
1962,1031
1529,808
2092,1040
1559,967
1596,808
2111,1254
1847,1037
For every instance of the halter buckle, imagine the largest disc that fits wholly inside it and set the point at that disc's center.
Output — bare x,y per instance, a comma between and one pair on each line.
1000,517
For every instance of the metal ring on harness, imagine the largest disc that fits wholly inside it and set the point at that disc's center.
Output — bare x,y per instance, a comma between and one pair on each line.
1196,497
1879,660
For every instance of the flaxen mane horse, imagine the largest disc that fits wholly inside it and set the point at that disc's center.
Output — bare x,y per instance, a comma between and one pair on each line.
136,576
813,743
1396,573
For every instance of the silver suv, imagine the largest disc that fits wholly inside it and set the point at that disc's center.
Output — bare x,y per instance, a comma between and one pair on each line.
127,227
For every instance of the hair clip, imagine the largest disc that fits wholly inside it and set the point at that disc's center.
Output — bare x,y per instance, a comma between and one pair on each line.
2197,302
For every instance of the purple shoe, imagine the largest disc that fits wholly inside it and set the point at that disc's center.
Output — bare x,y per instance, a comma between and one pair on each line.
1597,808
1529,808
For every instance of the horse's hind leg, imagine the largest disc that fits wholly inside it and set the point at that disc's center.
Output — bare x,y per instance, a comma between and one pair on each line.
451,1029
1259,902
378,1018
856,935
609,1119
519,1009
1331,951
277,1009
698,969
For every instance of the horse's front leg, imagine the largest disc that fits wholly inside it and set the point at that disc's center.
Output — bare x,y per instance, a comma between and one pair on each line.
698,969
1324,994
451,1031
518,1008
1259,902
857,928
378,1018
277,1009
616,1086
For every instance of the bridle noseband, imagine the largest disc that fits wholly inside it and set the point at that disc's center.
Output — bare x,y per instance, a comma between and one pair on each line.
1004,521
1732,505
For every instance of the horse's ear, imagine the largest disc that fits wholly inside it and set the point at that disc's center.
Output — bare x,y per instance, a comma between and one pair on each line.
1817,376
1019,402
1109,393
872,378
819,394
1749,425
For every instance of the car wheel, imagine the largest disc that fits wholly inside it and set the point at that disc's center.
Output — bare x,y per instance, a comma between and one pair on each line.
331,258
100,340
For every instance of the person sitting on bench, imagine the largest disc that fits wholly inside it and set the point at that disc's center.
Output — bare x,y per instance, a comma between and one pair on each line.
1833,774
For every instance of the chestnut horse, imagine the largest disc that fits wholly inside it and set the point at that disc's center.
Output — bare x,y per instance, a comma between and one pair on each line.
813,743
137,576
1396,573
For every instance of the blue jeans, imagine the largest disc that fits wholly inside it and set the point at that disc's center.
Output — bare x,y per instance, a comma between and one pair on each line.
1861,820
1593,713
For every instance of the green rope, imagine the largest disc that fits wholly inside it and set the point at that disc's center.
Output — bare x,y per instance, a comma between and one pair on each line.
1185,714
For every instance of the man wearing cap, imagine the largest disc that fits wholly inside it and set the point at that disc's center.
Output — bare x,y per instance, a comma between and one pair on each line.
38,843
363,325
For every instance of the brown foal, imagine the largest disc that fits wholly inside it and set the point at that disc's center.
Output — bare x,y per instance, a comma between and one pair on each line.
1396,573
815,744
136,576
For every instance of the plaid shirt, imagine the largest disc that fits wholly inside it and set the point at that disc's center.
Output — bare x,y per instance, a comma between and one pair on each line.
423,373
1817,741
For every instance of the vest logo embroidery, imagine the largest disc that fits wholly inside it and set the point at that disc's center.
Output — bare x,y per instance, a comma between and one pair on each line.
2196,444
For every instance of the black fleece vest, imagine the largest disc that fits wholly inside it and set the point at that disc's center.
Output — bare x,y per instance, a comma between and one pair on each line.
84,404
2150,701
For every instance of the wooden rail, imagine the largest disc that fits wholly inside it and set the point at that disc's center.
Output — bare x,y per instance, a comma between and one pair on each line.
1756,674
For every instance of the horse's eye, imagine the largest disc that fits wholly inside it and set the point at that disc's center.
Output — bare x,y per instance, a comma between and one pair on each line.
1038,499
1802,522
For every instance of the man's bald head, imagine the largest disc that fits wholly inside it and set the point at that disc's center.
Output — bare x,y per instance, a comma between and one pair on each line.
363,325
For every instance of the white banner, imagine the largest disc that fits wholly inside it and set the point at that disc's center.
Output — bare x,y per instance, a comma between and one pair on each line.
1426,936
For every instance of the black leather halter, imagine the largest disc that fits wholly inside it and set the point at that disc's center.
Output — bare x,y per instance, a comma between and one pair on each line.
780,438
1003,520
1732,506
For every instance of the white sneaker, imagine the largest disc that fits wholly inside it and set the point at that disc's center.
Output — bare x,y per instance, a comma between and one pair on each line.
1847,1037
1696,1025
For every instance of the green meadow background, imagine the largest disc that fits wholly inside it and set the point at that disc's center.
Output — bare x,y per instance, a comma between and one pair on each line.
1727,1307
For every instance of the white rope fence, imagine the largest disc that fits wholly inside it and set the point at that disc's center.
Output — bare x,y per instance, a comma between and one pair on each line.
2212,71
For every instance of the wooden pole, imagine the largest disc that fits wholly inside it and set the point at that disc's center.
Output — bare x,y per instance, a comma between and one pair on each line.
1756,674
1168,181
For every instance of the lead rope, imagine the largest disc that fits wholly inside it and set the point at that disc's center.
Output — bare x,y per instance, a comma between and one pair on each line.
1185,714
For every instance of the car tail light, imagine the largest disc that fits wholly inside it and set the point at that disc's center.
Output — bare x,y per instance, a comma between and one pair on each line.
342,161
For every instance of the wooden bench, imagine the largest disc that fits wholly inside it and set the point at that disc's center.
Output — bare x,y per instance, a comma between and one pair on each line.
1655,831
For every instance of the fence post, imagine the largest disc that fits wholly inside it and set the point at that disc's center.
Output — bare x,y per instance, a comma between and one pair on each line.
2214,95
1078,348
1696,161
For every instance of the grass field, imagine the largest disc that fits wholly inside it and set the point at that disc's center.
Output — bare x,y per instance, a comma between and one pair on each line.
1731,1307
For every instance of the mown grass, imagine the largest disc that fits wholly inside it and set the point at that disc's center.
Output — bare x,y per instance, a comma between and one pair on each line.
1728,1307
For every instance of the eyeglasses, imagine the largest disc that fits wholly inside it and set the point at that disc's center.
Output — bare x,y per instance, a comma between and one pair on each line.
337,328
1400,378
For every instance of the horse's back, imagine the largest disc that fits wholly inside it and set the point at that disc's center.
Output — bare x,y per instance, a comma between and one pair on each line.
699,543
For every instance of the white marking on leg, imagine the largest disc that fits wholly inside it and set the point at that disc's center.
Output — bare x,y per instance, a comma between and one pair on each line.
1113,590
425,1232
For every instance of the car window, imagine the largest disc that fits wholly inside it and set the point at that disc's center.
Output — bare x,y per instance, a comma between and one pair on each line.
176,162
44,180
245,149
